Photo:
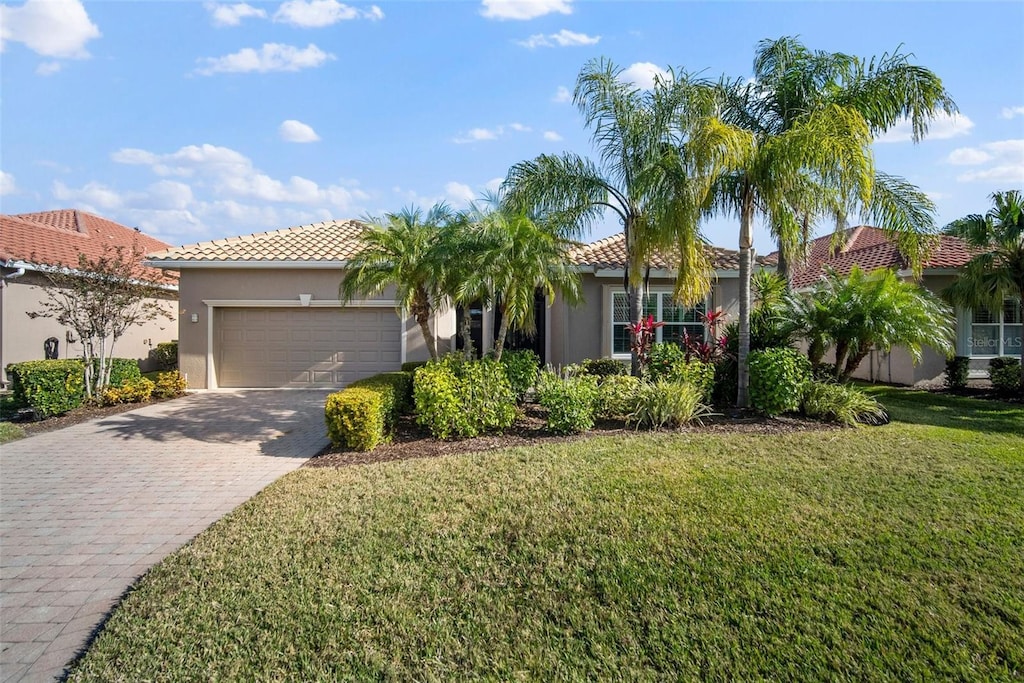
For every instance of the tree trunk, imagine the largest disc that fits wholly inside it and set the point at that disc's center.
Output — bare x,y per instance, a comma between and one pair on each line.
499,343
635,295
854,361
467,333
842,346
746,261
783,268
421,311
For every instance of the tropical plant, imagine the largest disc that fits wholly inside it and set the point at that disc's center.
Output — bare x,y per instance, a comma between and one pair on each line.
667,404
866,311
402,250
996,273
841,403
809,119
653,175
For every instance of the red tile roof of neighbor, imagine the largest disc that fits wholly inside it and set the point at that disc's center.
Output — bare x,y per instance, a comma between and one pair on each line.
53,238
869,248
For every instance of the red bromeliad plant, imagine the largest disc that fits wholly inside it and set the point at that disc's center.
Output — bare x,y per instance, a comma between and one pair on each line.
707,351
642,337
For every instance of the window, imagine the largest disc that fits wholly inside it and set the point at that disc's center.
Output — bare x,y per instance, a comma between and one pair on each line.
677,319
996,333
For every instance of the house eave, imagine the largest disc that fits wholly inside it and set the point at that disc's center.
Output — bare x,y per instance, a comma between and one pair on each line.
43,268
175,264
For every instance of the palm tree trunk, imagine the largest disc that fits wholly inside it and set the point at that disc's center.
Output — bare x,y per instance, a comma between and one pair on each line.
467,333
842,346
854,361
421,311
746,258
499,343
635,295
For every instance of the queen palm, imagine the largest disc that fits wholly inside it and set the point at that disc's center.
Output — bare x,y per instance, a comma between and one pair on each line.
996,273
402,250
641,177
810,119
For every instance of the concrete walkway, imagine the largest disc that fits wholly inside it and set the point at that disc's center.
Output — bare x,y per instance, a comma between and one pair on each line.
85,511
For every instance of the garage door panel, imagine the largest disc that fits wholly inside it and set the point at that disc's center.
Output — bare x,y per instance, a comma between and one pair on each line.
304,347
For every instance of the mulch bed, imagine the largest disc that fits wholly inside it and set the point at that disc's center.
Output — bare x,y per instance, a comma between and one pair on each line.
411,441
980,389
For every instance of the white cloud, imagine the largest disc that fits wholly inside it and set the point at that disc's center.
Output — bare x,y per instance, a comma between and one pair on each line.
458,194
270,57
562,95
643,74
552,136
320,13
563,38
297,131
232,15
478,135
942,127
170,195
7,185
48,68
94,194
494,184
523,9
1003,162
1011,112
51,28
519,128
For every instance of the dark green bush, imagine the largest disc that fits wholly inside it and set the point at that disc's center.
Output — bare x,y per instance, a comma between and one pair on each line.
50,387
355,418
615,396
395,389
777,379
957,370
521,367
667,404
165,355
1005,374
454,397
411,366
604,367
570,402
841,403
663,360
122,370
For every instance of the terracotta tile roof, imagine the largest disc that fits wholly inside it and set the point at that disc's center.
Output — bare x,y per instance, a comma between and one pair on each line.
325,241
870,248
51,238
610,253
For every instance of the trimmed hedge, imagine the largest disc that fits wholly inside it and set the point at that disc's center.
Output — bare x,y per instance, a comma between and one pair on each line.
1005,374
603,368
395,389
410,366
455,397
571,403
777,379
957,371
363,415
165,355
122,371
50,387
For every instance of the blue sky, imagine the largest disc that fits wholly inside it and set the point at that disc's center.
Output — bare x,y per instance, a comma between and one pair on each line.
199,120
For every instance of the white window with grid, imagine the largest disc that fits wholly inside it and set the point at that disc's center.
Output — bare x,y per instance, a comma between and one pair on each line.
677,318
996,333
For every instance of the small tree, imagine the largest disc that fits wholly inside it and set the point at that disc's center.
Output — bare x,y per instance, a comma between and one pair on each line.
100,299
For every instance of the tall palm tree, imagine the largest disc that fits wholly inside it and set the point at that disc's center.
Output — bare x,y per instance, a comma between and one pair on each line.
641,178
997,272
402,250
811,118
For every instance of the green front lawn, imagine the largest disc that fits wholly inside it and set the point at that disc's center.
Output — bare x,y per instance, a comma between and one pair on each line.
876,553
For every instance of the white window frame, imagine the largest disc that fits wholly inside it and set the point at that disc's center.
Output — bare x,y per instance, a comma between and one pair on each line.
660,293
1001,323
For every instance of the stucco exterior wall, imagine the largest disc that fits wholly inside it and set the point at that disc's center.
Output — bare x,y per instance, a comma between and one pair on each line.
22,337
253,286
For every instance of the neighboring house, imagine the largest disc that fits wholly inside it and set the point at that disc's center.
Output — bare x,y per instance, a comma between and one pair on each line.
32,244
263,311
980,334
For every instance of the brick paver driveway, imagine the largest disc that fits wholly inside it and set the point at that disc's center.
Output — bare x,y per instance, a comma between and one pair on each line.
86,510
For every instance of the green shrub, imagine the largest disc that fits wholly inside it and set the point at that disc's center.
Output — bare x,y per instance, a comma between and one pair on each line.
667,404
122,370
777,379
616,396
663,360
604,367
570,402
696,372
841,403
133,391
169,384
355,418
411,366
165,355
395,389
49,387
1005,374
957,370
521,368
463,398
726,381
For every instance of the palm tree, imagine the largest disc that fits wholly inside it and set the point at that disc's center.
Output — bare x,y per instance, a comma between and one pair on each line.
642,178
462,282
866,311
402,250
997,272
811,118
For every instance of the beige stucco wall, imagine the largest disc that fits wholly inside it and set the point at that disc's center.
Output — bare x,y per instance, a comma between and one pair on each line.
255,285
584,331
22,337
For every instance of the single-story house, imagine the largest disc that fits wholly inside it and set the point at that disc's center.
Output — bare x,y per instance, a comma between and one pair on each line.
33,244
263,311
980,334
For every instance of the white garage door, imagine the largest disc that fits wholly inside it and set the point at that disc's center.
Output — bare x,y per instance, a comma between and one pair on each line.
304,347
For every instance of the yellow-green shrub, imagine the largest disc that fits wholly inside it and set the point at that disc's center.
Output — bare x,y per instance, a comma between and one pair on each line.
50,387
395,389
169,384
355,418
133,391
